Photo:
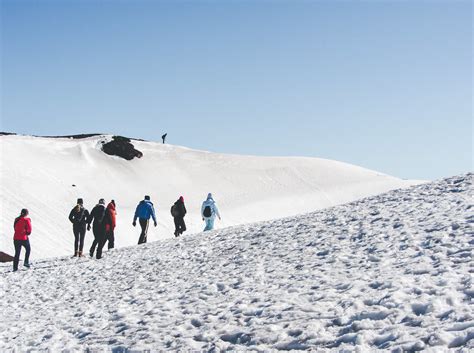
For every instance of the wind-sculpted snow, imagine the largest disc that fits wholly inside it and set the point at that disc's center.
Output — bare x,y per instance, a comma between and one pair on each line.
389,272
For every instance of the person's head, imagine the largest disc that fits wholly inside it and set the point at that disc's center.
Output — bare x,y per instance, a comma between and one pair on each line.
80,201
147,197
101,202
113,202
24,212
181,198
209,196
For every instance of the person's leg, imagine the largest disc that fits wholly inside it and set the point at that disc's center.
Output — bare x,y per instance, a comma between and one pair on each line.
144,227
95,242
176,226
111,239
17,254
82,235
26,244
182,226
209,224
101,242
77,236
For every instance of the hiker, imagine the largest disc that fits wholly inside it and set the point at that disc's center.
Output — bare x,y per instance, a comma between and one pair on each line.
110,222
164,137
144,211
209,211
22,226
178,211
97,216
78,217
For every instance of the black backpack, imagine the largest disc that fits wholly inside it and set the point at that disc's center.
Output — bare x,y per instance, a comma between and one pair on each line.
174,211
207,211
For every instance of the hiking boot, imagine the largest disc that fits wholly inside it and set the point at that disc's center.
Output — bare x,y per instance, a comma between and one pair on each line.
75,254
27,265
79,254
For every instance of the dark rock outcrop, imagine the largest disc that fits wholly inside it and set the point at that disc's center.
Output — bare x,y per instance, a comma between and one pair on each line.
122,147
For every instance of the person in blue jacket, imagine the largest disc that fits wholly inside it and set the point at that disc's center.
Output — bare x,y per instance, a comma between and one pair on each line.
209,211
144,211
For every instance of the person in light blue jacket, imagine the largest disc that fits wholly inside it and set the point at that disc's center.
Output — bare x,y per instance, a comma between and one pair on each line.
209,211
144,211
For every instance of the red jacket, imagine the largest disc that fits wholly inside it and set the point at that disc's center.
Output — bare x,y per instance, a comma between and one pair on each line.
111,220
22,228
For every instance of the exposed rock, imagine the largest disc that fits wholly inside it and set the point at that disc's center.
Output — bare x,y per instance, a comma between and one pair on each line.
122,147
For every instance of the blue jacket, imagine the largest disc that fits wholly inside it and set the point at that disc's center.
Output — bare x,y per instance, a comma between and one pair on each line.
214,210
144,210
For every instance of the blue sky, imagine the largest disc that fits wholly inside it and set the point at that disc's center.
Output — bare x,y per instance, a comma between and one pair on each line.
382,84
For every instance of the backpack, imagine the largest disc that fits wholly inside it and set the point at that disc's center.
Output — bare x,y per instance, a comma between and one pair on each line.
174,211
207,211
80,215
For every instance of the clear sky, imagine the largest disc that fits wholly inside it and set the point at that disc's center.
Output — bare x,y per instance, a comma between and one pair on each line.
386,85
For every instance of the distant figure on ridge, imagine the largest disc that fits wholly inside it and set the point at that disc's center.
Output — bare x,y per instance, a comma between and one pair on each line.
22,226
144,211
110,222
78,217
97,215
209,211
164,137
178,211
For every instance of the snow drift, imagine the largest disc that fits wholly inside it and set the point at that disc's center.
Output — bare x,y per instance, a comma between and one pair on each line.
47,175
390,272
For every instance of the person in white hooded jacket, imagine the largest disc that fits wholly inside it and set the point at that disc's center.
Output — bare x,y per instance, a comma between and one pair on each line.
209,211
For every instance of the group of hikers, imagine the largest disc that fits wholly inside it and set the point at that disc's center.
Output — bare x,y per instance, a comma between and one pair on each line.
103,220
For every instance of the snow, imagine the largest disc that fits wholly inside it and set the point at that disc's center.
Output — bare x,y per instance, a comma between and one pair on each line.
391,272
39,174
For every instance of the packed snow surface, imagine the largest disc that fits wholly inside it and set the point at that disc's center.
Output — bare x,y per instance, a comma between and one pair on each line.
47,175
389,272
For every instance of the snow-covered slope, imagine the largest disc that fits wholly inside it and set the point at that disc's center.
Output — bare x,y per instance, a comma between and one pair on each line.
392,271
38,173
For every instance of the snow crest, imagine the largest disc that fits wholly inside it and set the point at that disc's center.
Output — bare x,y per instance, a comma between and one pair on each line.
390,272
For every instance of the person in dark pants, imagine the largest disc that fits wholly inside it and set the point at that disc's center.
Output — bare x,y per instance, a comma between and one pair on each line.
78,217
163,137
98,217
110,222
22,226
144,211
178,211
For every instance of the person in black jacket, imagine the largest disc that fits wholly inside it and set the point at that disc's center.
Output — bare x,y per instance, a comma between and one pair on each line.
163,137
97,215
78,217
178,211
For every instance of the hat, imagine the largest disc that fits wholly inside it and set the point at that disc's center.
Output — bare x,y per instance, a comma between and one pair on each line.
80,201
101,202
181,198
112,202
147,197
24,212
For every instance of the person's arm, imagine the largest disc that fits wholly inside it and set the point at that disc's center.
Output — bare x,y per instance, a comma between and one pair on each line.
202,210
153,214
184,208
136,215
28,228
71,215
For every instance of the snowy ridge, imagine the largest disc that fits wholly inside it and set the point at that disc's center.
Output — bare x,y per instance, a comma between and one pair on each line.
39,174
390,272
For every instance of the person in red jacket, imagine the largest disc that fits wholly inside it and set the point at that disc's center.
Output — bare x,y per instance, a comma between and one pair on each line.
22,226
110,222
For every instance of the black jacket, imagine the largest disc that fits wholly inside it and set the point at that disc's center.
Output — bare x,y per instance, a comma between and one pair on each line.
98,215
180,209
79,216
